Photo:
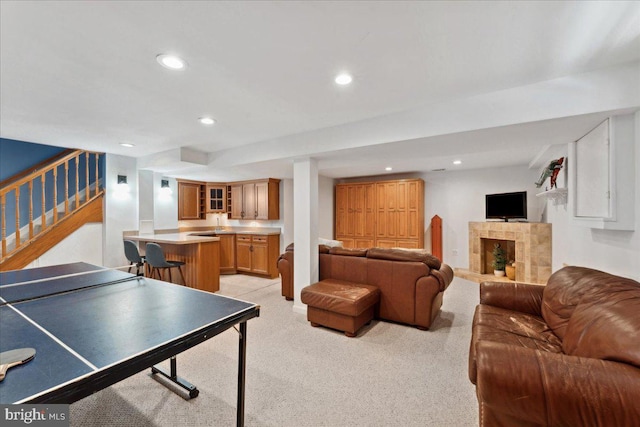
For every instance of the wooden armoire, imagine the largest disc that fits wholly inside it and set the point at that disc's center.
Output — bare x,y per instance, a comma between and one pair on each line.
384,214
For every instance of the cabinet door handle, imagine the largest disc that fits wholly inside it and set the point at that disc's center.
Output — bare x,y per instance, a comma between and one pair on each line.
251,248
256,214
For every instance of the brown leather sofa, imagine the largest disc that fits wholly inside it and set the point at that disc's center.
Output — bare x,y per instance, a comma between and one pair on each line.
411,283
285,267
564,354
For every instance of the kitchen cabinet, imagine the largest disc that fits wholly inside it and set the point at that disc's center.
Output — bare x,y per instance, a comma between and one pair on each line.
255,200
216,198
258,254
227,253
191,199
243,252
235,207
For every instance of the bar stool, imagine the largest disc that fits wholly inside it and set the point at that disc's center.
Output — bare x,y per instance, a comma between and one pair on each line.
157,262
134,257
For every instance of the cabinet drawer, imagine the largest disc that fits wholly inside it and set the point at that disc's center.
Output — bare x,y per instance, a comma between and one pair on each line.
260,239
241,238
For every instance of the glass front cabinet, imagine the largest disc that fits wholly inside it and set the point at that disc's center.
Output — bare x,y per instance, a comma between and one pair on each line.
216,198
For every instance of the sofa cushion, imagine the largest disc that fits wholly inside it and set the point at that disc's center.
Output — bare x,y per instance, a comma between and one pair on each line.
405,255
340,296
510,327
514,327
565,289
608,325
347,268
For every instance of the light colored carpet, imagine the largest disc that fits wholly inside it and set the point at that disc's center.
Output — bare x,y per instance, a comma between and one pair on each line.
390,375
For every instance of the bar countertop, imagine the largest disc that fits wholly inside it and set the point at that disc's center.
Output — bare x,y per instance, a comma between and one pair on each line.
212,231
173,238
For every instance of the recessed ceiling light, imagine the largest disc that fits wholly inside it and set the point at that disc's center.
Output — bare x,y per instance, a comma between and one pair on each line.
457,162
171,61
127,144
388,168
207,121
343,79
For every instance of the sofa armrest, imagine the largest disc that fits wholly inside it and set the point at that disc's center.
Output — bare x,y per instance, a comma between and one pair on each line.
522,297
285,268
444,276
546,388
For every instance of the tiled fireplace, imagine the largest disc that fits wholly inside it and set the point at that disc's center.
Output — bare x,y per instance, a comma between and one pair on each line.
528,244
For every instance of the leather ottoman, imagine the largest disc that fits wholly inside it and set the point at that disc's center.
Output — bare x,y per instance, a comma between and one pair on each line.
341,305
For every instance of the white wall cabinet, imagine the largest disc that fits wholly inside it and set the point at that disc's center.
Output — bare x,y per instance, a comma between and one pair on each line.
602,182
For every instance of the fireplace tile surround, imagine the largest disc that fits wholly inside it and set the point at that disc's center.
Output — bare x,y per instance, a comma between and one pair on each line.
532,248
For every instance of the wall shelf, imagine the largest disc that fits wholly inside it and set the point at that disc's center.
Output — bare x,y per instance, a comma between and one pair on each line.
557,195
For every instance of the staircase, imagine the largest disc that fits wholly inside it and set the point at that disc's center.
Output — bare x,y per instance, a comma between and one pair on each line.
42,206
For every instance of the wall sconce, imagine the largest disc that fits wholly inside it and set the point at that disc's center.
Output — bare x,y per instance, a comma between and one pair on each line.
165,189
121,192
123,187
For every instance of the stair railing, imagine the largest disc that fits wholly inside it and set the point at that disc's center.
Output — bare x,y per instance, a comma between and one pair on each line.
55,190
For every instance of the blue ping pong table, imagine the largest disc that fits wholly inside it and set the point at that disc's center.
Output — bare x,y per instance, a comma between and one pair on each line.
92,327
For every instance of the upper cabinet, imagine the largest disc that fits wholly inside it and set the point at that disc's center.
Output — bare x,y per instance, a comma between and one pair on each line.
235,202
602,182
252,200
191,200
255,200
216,198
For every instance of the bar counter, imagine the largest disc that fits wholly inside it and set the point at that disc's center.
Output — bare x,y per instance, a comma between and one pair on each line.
201,255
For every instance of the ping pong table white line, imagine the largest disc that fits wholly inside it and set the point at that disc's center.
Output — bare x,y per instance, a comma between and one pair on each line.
50,335
63,276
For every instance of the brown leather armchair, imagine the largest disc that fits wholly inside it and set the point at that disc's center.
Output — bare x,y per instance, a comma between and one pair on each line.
565,354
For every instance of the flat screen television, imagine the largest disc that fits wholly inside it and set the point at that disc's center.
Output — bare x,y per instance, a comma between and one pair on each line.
506,205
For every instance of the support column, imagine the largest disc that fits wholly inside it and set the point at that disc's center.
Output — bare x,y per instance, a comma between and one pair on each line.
145,195
305,228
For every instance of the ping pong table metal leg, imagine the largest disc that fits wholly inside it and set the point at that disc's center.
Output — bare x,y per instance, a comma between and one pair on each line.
242,364
174,378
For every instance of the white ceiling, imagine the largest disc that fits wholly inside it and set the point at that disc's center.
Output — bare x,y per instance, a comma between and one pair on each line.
486,82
